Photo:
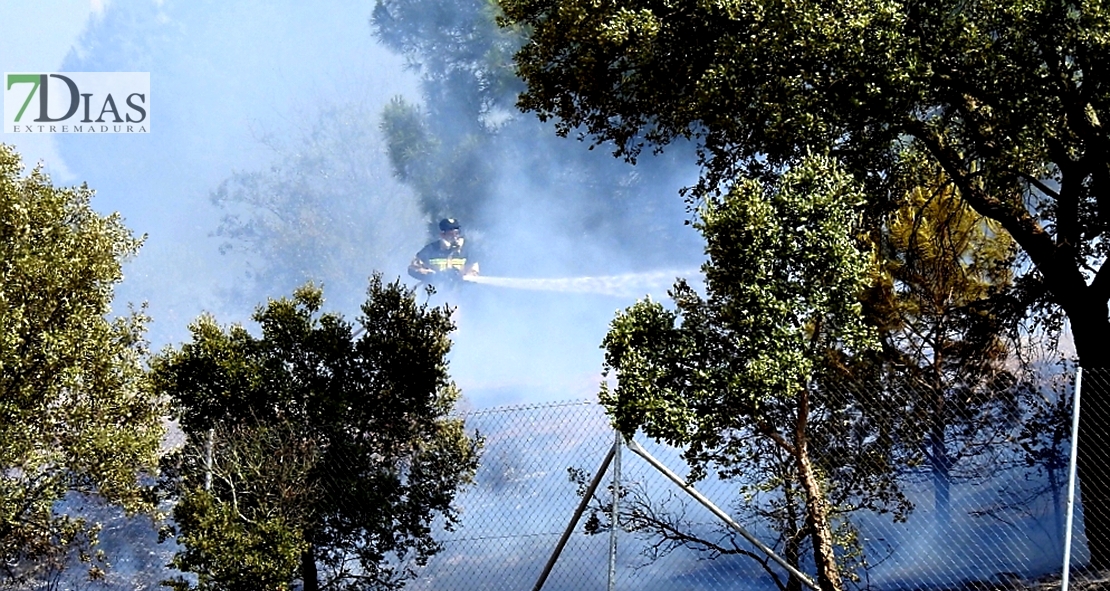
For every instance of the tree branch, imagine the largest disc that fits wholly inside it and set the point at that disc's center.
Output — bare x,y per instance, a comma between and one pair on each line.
1033,238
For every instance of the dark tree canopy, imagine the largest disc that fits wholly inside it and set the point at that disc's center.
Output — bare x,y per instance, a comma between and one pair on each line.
332,454
1006,97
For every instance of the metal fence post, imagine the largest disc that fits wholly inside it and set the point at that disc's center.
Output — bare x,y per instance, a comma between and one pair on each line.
1071,479
614,511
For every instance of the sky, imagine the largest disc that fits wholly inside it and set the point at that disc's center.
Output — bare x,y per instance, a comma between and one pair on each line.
43,34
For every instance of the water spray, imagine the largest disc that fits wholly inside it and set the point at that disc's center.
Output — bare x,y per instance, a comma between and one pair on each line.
626,285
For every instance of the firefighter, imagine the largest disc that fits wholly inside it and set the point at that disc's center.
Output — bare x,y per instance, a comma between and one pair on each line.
446,258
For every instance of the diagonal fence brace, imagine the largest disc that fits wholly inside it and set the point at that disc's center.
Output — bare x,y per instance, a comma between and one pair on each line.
640,451
577,515
690,490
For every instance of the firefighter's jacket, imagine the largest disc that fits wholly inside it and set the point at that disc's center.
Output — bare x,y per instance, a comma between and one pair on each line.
440,256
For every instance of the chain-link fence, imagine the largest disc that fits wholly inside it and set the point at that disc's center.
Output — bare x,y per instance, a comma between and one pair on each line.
1088,514
924,488
972,496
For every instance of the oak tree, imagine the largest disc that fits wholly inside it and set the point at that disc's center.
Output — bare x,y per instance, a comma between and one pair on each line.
783,281
77,415
315,453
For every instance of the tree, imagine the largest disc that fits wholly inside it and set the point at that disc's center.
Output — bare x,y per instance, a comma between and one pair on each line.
783,281
945,348
1007,97
77,415
944,394
445,150
313,454
450,172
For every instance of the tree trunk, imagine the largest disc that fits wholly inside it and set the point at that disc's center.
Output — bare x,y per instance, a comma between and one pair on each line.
1053,466
817,518
1094,459
793,556
1091,331
939,462
942,480
309,574
817,513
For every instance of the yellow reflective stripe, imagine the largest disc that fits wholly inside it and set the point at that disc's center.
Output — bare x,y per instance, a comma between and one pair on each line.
448,263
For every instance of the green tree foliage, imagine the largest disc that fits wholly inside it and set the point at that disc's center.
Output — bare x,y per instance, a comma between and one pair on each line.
943,397
331,455
77,415
1007,97
450,175
464,59
746,365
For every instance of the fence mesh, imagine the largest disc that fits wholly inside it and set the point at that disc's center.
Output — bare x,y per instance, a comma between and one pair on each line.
523,500
1091,518
981,502
964,491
